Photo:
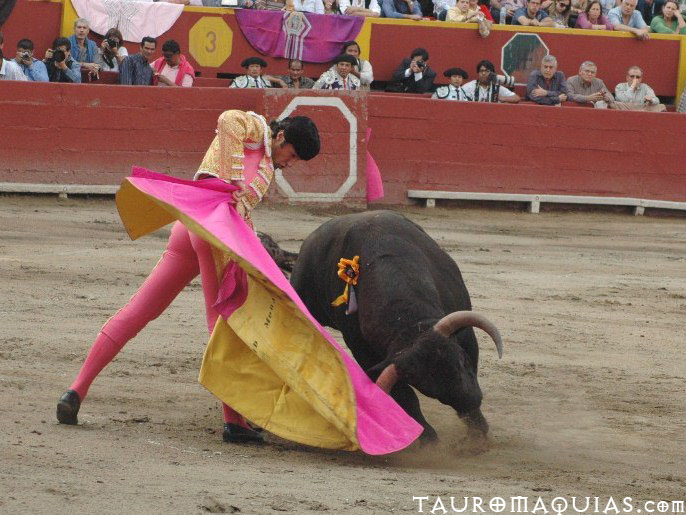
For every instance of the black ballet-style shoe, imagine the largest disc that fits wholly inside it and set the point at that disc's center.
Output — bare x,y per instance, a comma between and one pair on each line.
68,408
234,433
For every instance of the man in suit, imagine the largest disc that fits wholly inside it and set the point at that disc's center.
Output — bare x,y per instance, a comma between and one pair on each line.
414,75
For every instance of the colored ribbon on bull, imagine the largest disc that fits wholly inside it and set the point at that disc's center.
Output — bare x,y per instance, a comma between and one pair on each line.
348,272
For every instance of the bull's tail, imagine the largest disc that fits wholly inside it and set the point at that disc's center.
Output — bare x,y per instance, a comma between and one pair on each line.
283,258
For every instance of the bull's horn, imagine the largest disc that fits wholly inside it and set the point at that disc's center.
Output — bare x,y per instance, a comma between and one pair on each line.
454,321
388,378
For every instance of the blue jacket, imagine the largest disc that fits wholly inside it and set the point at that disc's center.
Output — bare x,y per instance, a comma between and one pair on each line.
37,72
91,50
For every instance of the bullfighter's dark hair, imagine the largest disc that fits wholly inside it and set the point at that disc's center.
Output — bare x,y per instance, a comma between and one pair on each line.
485,63
420,51
171,46
61,42
148,39
25,44
301,132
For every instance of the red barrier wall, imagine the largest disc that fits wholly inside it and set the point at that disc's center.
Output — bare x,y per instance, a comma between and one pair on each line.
92,134
37,21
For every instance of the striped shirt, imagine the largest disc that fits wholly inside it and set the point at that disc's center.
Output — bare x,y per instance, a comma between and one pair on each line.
135,71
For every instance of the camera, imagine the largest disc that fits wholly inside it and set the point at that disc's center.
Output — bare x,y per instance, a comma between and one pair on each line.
420,64
504,80
25,55
113,43
58,56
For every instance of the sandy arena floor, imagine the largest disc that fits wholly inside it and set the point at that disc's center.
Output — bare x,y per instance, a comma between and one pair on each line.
589,399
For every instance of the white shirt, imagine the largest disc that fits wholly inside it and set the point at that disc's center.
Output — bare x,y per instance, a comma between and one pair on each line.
441,5
450,92
484,92
373,5
171,72
9,70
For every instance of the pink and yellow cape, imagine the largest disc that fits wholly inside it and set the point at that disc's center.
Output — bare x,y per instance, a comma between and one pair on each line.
268,357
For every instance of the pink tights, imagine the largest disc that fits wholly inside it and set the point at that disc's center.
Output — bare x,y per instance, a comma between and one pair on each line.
186,255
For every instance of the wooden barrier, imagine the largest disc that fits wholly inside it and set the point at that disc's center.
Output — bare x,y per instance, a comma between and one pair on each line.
90,134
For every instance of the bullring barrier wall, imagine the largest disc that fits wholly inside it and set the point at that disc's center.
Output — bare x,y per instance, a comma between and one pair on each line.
211,38
92,134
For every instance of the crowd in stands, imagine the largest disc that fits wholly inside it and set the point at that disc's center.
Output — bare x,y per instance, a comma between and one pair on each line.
71,59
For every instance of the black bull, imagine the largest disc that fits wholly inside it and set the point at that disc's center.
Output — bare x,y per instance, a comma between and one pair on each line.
414,321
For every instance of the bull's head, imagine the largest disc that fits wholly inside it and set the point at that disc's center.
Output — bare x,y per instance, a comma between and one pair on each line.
439,367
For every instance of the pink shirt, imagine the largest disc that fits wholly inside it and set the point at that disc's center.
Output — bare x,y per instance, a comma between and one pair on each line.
171,73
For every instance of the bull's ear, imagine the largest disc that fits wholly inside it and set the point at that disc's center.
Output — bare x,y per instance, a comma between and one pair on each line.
375,371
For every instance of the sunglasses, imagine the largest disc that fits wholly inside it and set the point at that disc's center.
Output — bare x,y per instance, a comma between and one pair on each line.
635,76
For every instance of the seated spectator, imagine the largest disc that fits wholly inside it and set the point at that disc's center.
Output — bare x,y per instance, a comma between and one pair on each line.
370,8
327,7
34,69
61,67
408,9
593,18
135,70
559,11
252,79
503,10
362,69
475,5
294,79
637,95
111,52
547,86
413,75
532,15
9,70
453,91
489,87
172,69
586,88
341,76
671,21
627,18
83,50
441,8
461,13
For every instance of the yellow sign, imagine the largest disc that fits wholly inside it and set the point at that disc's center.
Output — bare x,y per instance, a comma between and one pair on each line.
210,41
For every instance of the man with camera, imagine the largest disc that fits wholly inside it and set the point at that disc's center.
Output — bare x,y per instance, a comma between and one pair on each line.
34,69
490,87
413,75
547,86
9,70
61,67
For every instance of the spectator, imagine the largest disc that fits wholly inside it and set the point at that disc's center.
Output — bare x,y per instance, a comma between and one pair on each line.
370,8
441,8
172,69
34,69
83,50
671,21
362,69
61,67
413,75
135,70
627,18
111,52
341,76
547,86
532,15
593,18
637,95
586,88
9,70
607,5
408,9
253,79
453,91
489,87
327,7
294,79
476,6
463,14
503,10
559,11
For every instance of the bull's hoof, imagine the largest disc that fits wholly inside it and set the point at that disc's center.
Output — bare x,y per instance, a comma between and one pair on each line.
428,436
476,423
234,433
68,408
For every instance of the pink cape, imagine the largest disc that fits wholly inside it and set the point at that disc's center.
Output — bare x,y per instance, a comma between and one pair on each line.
206,207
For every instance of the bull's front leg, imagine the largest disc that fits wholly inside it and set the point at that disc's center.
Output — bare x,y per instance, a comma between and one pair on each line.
407,399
